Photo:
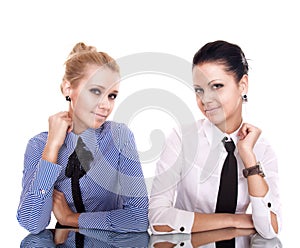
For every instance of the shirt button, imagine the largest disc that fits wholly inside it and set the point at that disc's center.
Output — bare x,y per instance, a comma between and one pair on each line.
43,191
269,204
181,229
182,244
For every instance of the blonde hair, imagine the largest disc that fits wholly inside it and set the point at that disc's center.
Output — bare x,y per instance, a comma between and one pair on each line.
80,57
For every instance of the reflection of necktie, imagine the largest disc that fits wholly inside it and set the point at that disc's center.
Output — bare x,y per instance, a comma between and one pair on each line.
78,164
227,196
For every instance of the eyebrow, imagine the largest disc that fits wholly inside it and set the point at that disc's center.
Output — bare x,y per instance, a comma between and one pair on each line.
217,79
103,88
213,81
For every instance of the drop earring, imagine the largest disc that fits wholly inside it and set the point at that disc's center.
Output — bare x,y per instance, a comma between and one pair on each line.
68,99
245,98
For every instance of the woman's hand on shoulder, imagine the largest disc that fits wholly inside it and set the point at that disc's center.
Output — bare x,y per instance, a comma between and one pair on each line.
248,136
59,124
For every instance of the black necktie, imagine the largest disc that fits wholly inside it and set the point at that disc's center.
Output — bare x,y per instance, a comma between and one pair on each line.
78,164
227,196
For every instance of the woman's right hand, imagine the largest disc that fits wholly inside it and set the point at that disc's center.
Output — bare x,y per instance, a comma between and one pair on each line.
59,125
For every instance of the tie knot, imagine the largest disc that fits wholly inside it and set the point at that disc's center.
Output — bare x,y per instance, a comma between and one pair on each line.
79,161
229,146
84,155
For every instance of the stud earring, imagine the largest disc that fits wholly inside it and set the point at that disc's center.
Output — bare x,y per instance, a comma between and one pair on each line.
245,98
68,99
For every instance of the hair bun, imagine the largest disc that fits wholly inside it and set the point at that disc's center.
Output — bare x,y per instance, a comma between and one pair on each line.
80,47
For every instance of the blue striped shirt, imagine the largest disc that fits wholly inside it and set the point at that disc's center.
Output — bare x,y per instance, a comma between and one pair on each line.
113,190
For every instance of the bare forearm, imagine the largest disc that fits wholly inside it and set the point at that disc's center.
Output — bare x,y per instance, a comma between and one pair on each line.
258,187
69,220
72,220
50,152
206,222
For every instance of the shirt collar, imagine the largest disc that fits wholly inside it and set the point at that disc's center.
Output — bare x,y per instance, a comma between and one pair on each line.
214,137
89,137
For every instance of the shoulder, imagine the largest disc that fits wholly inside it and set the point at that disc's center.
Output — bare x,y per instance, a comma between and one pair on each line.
113,126
115,130
39,139
36,144
263,142
263,149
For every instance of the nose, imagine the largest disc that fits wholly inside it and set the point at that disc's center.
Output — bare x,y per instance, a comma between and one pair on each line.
104,103
207,97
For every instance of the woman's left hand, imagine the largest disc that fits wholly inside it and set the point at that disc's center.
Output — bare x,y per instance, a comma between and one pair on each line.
248,135
62,211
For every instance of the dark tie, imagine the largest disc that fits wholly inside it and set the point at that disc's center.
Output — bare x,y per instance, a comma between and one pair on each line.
78,164
227,196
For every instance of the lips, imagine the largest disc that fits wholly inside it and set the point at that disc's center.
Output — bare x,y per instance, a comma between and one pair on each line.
100,115
211,110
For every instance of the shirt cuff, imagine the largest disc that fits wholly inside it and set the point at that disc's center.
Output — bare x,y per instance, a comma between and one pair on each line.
96,220
45,177
180,221
261,208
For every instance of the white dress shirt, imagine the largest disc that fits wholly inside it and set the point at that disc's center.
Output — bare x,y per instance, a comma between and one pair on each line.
188,176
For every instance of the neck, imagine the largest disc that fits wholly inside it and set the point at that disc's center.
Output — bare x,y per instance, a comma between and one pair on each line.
228,127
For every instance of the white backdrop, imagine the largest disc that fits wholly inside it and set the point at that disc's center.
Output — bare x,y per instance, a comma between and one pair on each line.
36,37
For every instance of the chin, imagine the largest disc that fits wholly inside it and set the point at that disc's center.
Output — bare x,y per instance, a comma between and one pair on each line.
98,124
216,120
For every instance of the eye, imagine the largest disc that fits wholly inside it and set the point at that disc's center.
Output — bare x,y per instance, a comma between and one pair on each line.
95,91
112,96
199,91
217,86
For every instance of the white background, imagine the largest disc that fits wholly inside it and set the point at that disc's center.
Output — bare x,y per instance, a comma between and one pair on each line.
36,37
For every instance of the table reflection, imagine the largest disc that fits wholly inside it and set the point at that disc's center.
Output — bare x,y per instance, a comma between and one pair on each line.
92,238
244,238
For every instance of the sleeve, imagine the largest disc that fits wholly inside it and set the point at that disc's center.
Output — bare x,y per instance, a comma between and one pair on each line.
114,239
133,217
168,175
39,176
258,241
262,206
42,239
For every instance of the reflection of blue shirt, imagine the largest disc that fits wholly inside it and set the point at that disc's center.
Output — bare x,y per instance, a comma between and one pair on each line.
113,190
92,238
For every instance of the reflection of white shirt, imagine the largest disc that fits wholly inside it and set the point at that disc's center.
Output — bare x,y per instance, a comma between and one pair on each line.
188,175
184,240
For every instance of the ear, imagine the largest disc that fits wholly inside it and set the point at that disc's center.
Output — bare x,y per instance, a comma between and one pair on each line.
243,85
66,88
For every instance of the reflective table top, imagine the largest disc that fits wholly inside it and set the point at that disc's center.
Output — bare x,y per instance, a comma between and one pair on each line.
243,238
